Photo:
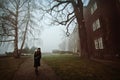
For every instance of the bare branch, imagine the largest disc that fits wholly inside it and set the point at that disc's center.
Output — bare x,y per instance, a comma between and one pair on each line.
23,3
11,20
12,3
63,7
31,33
66,21
70,14
11,12
7,35
67,32
6,40
60,3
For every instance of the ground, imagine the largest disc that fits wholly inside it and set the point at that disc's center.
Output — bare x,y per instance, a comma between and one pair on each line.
26,72
73,67
58,67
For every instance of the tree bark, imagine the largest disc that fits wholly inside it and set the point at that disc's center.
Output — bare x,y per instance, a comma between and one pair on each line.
16,54
16,43
78,8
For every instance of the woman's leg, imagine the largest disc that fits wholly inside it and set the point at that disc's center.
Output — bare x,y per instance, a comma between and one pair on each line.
36,70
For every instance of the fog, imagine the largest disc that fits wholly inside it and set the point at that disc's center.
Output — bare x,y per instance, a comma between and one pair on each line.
51,38
48,38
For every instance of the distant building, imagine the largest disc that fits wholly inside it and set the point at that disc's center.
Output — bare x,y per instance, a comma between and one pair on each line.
63,45
102,21
74,41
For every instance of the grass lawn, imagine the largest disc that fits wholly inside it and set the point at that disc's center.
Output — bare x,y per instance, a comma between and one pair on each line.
8,66
71,67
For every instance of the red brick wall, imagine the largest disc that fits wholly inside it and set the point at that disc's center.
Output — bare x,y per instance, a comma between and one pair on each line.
108,14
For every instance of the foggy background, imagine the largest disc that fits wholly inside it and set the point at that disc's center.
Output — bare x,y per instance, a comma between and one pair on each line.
47,37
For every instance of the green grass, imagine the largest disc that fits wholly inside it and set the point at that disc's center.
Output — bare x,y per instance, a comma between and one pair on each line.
70,67
8,66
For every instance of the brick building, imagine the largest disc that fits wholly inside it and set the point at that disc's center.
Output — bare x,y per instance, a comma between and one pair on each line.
102,22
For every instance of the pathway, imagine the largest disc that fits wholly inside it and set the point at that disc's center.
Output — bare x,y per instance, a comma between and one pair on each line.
26,72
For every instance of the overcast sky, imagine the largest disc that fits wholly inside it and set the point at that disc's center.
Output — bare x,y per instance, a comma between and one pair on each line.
49,38
53,36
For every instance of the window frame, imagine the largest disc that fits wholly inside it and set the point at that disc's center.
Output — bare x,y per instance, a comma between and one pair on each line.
96,25
93,7
99,43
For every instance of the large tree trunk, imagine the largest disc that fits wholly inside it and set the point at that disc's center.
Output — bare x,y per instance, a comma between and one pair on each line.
16,53
78,8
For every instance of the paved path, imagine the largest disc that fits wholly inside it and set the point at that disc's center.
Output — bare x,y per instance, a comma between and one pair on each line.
26,72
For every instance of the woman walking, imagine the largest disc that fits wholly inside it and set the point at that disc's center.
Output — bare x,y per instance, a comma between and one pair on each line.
37,57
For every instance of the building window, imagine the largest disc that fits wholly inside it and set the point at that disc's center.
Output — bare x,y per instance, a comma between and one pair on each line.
98,43
92,11
96,25
93,8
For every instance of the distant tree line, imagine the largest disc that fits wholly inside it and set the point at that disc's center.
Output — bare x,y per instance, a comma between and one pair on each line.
25,50
61,52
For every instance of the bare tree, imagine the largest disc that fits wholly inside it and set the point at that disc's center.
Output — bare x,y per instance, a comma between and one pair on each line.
68,12
15,17
29,22
27,19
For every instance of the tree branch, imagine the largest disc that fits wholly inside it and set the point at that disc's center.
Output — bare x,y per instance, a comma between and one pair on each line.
6,40
63,7
7,18
23,3
67,32
12,13
59,3
12,3
7,34
70,14
65,21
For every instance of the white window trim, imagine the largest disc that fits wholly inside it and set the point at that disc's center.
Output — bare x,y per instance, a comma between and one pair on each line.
98,43
93,8
96,25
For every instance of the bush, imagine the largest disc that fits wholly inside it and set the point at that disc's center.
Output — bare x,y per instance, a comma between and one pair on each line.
61,52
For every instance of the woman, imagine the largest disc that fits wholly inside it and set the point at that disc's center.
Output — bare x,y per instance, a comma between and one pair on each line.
37,57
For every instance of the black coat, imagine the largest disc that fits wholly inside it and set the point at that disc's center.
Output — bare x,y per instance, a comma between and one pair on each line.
37,57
